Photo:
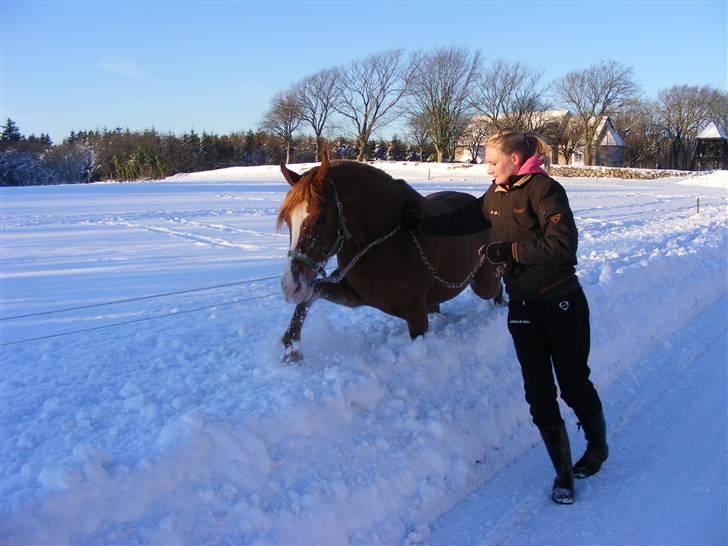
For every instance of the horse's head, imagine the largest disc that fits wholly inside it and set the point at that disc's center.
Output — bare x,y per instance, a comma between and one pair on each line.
309,210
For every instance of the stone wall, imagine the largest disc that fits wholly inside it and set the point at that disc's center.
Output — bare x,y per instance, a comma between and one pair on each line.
613,172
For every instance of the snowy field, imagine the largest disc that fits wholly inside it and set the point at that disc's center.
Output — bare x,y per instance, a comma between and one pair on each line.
171,419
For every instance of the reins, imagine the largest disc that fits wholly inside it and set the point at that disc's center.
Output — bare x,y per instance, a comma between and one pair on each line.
343,234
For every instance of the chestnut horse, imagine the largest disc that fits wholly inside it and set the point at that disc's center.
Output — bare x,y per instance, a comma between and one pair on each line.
353,211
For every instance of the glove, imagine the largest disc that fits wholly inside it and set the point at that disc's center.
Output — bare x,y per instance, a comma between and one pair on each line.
411,219
499,252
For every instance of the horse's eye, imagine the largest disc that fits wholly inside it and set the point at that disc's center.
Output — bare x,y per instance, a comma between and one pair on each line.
321,219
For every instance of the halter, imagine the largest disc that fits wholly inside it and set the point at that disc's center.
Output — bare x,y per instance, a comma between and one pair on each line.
342,233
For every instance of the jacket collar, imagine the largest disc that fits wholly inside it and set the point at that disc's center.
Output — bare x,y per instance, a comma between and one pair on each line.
514,182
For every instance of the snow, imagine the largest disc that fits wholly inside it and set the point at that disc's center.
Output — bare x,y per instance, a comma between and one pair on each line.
188,428
647,494
712,131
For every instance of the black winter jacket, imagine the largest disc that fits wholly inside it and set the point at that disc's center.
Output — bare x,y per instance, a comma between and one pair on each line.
534,215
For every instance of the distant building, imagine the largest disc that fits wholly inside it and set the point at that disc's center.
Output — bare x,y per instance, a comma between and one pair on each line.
607,147
711,149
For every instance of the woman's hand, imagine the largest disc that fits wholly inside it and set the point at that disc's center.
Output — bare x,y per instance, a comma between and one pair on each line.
499,252
411,219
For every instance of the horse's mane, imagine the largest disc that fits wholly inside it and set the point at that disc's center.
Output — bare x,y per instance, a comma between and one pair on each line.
363,168
306,191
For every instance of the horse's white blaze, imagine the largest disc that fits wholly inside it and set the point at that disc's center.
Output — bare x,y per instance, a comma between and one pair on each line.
298,216
288,283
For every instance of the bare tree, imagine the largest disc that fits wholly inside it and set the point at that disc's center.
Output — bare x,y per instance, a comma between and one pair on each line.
370,90
510,94
474,135
638,125
600,90
442,92
418,133
718,108
568,137
683,110
283,119
317,96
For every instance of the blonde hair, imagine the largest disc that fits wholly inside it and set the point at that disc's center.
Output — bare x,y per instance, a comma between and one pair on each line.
510,141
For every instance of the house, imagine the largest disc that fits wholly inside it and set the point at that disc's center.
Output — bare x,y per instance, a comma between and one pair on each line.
553,126
711,149
607,147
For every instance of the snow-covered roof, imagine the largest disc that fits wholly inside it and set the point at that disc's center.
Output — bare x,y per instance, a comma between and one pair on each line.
712,131
553,114
543,116
607,134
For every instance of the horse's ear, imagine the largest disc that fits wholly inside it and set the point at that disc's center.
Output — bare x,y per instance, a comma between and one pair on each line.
289,175
324,168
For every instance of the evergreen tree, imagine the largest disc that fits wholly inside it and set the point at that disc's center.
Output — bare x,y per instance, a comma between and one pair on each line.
396,151
11,133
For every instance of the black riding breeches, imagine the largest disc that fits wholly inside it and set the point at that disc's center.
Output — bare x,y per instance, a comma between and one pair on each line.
553,334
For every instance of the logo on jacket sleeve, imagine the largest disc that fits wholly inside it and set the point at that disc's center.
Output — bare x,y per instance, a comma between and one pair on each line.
519,211
556,218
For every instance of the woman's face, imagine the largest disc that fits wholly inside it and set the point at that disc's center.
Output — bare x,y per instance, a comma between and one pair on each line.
500,165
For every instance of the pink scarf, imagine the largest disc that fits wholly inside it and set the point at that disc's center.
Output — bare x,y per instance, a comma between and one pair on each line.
531,166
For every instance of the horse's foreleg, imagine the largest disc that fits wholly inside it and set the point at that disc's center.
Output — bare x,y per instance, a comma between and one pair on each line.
417,322
292,338
336,293
339,293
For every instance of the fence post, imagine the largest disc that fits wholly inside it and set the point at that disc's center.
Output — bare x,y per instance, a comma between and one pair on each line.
698,205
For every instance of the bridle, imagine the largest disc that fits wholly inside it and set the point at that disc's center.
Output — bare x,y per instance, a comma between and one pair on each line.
342,234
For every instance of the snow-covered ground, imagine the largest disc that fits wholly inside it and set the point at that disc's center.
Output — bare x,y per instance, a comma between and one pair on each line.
171,419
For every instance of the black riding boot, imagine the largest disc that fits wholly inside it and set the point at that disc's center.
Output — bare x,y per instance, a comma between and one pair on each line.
597,451
557,445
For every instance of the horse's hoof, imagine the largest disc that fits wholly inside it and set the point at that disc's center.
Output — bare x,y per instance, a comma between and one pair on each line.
293,357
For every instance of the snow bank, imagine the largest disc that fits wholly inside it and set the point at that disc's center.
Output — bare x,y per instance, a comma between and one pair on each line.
713,179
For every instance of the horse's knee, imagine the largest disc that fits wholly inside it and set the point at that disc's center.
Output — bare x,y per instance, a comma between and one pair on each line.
293,332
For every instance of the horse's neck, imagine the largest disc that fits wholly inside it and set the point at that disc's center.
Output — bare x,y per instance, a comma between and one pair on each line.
372,205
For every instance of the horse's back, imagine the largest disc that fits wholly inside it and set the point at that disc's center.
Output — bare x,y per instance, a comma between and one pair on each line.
444,201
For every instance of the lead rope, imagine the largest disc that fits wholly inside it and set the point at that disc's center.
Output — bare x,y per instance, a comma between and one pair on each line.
337,276
498,272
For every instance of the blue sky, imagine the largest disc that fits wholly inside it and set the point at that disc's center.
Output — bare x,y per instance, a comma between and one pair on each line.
215,65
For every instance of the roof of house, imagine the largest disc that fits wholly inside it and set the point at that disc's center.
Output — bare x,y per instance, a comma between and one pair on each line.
607,135
712,131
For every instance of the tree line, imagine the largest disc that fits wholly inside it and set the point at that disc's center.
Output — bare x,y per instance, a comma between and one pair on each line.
120,154
440,100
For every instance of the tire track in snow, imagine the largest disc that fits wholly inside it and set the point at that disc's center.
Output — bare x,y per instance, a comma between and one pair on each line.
195,238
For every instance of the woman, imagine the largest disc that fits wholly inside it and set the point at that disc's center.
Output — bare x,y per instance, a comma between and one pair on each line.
528,214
